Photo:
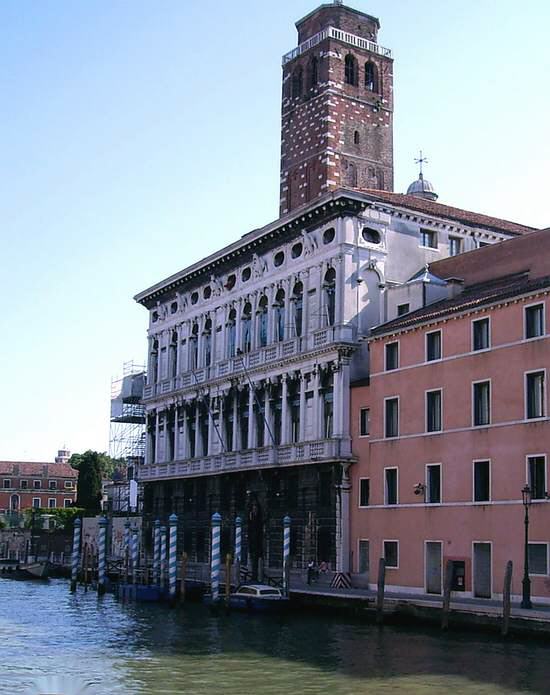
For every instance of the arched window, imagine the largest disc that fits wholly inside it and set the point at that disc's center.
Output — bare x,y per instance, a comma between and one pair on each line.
328,408
350,70
231,333
298,298
14,503
243,419
329,288
262,321
313,72
371,77
193,346
280,315
173,354
247,327
297,82
155,361
207,343
350,174
192,422
356,137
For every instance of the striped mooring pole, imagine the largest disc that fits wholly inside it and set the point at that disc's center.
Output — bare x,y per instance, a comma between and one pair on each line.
162,558
238,549
156,551
135,554
76,553
172,568
286,552
101,563
215,557
126,550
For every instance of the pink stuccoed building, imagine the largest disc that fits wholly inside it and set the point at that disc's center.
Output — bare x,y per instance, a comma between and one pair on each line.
453,423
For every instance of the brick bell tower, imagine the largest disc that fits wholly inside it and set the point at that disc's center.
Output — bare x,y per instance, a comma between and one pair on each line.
337,107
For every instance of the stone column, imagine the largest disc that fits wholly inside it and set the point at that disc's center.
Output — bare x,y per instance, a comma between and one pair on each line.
251,419
316,428
287,319
238,327
321,321
198,438
157,437
339,292
343,521
284,410
236,423
304,277
302,406
267,415
210,420
185,433
221,424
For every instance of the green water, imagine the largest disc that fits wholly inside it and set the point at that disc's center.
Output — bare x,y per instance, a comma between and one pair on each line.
66,642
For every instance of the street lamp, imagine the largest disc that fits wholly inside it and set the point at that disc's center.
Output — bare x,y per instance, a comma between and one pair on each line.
526,597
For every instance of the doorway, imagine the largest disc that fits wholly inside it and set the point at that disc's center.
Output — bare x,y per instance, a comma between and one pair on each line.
364,559
482,570
434,560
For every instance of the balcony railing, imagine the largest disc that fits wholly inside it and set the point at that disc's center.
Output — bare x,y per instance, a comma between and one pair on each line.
251,360
333,33
268,457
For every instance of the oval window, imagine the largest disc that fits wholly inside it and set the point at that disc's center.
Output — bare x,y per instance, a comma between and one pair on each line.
194,297
207,292
245,275
173,307
230,282
278,259
328,236
155,316
297,250
371,235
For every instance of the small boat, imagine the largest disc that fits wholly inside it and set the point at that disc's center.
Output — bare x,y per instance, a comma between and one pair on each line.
260,598
13,569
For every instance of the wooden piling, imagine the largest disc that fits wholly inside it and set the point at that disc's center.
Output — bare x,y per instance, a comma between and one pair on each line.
446,606
183,575
228,562
85,566
380,591
506,604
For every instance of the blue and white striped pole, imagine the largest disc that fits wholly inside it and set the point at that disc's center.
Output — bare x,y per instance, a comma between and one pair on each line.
215,557
286,552
173,520
126,548
76,553
238,549
135,554
101,563
156,552
162,558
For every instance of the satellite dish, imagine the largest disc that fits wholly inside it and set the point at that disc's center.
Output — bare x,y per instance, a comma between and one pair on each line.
133,494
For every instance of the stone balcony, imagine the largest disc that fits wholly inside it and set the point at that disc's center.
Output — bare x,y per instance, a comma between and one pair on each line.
248,459
264,356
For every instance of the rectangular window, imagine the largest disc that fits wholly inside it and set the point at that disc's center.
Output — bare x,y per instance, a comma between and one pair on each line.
433,411
391,554
402,309
36,502
391,417
52,484
24,484
534,321
52,503
390,485
480,334
482,481
364,492
68,484
433,483
7,484
534,387
37,484
392,356
538,558
363,556
67,503
482,403
455,246
428,238
364,422
536,466
433,346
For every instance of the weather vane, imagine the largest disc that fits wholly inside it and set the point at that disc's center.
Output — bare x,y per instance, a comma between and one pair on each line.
421,160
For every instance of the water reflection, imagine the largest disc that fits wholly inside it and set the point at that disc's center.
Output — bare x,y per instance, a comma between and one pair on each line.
46,632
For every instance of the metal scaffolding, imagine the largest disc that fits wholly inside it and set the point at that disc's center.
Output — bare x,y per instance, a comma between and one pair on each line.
127,431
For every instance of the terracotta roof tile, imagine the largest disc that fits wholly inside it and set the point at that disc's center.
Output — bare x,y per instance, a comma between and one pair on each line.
431,207
34,468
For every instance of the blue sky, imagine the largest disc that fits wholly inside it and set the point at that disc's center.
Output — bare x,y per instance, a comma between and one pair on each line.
138,137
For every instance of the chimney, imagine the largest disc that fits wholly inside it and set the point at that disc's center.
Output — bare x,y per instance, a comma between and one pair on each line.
454,287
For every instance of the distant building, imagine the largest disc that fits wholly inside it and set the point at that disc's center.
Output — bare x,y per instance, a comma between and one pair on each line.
454,422
26,485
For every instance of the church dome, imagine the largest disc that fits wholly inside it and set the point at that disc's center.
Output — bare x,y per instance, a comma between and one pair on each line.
422,189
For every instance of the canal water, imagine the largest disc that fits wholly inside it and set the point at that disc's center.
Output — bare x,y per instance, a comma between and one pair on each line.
55,642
